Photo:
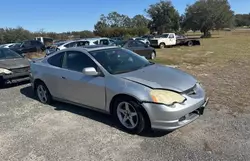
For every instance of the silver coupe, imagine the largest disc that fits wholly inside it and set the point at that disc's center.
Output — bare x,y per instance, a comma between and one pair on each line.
138,93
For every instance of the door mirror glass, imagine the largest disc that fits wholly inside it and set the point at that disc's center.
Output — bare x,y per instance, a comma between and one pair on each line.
90,71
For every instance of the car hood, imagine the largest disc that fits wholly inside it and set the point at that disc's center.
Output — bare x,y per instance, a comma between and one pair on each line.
14,63
161,77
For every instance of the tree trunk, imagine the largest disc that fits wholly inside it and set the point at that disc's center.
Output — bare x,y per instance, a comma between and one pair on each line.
206,33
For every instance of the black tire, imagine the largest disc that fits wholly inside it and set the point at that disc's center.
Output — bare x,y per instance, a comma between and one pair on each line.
152,55
190,43
2,82
48,96
141,125
162,45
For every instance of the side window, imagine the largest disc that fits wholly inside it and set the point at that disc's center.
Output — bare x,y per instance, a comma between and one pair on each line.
26,43
140,44
77,61
132,44
82,43
69,45
171,36
96,42
104,41
56,60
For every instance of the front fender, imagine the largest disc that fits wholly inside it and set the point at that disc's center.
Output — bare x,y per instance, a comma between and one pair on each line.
116,86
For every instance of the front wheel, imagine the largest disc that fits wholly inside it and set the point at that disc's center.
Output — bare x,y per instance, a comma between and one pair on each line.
129,116
43,93
162,45
153,55
190,43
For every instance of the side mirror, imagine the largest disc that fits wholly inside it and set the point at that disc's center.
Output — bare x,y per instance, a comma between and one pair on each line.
90,71
146,45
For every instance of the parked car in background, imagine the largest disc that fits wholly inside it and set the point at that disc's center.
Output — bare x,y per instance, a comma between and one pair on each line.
171,39
144,40
45,40
117,38
85,42
13,67
69,44
138,93
139,48
148,37
8,45
28,46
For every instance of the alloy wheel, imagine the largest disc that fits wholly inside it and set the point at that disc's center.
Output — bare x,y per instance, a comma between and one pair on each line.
42,93
127,115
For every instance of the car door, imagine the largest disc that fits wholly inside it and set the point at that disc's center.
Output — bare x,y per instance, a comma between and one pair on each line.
171,39
27,46
80,88
53,75
138,47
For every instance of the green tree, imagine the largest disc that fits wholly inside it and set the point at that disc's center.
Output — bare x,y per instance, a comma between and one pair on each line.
139,21
115,24
165,18
242,20
205,15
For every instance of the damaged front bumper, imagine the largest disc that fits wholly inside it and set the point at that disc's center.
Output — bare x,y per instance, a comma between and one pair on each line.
15,77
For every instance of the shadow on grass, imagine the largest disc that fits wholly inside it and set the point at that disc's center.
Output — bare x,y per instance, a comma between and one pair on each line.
93,115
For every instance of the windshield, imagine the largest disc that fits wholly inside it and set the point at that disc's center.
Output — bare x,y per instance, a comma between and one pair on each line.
119,60
8,54
120,43
2,46
59,43
139,39
16,45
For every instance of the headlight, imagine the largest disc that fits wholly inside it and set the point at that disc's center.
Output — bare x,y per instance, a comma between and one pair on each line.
5,71
166,97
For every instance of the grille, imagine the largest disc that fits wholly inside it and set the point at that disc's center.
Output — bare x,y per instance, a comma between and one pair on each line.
20,70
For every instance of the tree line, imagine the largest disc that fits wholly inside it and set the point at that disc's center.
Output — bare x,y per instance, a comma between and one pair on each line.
203,15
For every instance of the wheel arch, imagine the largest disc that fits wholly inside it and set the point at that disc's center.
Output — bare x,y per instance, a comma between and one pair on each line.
37,81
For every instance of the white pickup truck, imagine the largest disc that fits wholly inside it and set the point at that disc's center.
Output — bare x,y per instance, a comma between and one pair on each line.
171,39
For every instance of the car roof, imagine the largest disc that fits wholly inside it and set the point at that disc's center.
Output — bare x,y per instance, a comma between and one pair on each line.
92,48
94,38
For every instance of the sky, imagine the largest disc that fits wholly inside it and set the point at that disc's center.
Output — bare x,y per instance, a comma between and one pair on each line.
78,15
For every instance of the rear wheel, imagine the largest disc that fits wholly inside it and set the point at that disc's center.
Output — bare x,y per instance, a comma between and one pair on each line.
190,43
129,116
43,93
162,45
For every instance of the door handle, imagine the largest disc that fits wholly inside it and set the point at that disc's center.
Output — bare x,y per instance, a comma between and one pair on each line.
63,77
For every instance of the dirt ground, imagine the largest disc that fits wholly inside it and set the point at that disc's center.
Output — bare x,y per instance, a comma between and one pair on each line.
31,131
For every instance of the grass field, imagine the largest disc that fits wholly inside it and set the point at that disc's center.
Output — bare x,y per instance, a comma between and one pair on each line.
222,64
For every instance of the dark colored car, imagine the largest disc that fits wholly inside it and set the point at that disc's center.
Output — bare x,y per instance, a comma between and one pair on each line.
13,67
138,47
29,46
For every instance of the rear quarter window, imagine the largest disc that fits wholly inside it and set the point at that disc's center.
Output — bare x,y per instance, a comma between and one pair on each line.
56,60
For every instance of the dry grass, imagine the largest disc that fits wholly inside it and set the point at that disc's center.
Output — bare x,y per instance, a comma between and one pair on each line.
35,55
222,64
